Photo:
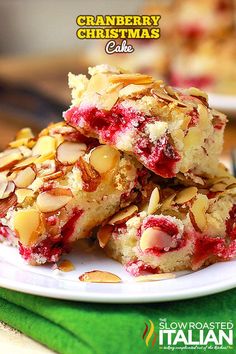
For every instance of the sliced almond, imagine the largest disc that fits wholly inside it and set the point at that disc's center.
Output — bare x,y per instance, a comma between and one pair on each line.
104,158
90,177
25,177
26,162
167,203
46,168
6,204
218,187
155,237
132,90
193,91
108,100
52,176
25,133
124,215
53,199
23,193
155,277
204,120
68,152
154,201
198,212
104,235
6,189
131,79
45,145
28,226
8,160
186,195
66,266
18,143
163,96
99,276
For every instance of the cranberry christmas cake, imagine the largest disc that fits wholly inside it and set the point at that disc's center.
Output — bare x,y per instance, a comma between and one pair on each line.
168,131
55,188
182,227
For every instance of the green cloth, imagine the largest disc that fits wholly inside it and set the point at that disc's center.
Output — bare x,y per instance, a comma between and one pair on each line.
84,328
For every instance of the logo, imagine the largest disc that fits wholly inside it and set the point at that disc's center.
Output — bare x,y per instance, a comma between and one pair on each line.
200,336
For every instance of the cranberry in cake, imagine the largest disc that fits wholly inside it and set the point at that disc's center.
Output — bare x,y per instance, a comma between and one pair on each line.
55,188
169,131
181,228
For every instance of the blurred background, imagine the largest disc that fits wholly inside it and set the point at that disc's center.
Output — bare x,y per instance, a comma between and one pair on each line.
38,47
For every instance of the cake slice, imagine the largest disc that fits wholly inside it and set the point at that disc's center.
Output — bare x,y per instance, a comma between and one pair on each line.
168,131
54,189
182,228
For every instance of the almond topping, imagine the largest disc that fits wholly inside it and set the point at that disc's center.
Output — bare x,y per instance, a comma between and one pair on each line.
168,202
28,226
90,177
25,133
163,96
26,162
25,177
6,189
68,152
66,266
193,91
155,277
132,89
104,235
99,276
185,195
124,215
155,237
23,193
6,204
131,79
104,158
218,187
45,145
9,159
53,199
52,176
154,201
198,212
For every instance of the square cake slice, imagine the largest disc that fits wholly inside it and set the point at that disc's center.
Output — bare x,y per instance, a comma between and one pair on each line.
54,189
167,130
182,228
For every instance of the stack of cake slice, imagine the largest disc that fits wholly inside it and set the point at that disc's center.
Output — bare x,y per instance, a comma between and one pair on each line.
136,158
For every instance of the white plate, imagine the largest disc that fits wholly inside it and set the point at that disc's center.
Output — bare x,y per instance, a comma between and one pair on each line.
16,275
225,103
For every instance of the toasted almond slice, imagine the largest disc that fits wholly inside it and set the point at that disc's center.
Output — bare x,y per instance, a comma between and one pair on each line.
204,120
66,266
131,79
185,195
218,187
23,193
163,96
18,143
198,212
6,189
168,202
68,152
25,177
25,133
45,145
53,199
133,89
123,215
154,201
231,186
154,237
10,159
155,277
108,100
28,226
99,276
98,83
193,91
52,176
6,204
104,158
104,235
172,92
26,162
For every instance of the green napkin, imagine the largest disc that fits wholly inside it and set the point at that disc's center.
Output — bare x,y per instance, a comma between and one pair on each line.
85,328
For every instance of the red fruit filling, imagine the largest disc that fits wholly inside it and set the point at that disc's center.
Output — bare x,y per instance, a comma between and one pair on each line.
191,31
167,227
218,123
194,118
52,248
160,157
137,268
231,224
5,232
